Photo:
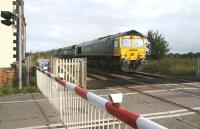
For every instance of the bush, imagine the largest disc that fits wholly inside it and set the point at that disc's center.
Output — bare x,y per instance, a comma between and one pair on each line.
171,66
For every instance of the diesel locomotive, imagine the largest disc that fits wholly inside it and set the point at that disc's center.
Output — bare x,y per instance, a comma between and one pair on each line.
123,51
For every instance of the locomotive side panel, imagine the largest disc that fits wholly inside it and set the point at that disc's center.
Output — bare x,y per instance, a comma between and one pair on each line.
100,47
85,50
110,47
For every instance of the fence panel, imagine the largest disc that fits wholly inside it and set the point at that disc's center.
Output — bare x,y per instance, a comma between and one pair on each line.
79,108
73,70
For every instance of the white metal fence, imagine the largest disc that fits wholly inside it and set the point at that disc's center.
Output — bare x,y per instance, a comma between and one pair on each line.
80,109
73,70
75,112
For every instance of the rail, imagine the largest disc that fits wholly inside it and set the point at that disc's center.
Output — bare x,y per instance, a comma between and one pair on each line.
79,108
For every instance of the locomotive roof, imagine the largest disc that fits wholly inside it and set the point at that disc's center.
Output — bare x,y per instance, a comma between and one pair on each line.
131,32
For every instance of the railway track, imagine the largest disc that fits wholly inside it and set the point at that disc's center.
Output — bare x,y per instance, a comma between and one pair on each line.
116,76
158,79
141,92
165,77
172,78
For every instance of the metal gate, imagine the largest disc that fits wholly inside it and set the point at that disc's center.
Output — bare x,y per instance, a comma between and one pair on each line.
80,109
73,70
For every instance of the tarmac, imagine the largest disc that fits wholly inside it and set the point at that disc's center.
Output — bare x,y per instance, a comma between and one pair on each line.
27,111
33,111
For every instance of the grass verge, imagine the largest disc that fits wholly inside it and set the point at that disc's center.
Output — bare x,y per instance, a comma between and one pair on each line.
171,66
15,90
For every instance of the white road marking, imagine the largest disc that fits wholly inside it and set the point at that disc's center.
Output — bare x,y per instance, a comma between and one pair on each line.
136,86
152,91
187,88
30,100
167,114
167,84
190,83
41,126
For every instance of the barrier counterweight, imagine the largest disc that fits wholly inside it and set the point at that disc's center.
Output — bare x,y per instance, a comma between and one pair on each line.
79,108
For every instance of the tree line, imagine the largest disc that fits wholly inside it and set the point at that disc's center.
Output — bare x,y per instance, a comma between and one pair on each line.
159,47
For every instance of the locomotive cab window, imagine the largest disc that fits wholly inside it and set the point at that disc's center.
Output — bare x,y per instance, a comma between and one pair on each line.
116,44
126,43
138,42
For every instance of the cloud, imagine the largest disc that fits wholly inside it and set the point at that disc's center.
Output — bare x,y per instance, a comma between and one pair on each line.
116,3
62,23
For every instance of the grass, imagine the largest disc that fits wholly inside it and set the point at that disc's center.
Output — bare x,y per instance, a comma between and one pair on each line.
15,90
171,66
11,87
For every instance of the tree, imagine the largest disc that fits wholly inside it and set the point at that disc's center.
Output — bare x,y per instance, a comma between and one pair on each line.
158,45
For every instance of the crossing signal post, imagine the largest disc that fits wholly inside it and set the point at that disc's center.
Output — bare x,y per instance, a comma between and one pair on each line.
10,19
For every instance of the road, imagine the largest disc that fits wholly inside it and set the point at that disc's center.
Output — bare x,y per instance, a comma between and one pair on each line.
167,114
33,111
27,111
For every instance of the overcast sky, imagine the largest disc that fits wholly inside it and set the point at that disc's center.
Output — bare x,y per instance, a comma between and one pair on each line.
54,24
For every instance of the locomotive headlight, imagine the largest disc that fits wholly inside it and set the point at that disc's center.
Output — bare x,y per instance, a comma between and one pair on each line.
123,56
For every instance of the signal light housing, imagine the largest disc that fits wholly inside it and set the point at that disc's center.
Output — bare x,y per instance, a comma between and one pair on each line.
8,16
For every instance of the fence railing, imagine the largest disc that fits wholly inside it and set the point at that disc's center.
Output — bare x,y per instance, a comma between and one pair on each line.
79,108
73,70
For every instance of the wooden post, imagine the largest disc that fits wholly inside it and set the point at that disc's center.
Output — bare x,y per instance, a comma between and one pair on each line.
83,73
75,81
66,70
70,70
78,71
198,68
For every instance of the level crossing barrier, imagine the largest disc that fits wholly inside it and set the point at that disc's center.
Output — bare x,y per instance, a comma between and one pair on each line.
80,109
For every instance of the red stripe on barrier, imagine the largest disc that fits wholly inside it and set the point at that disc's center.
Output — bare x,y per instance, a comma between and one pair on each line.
49,74
62,82
81,92
122,114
